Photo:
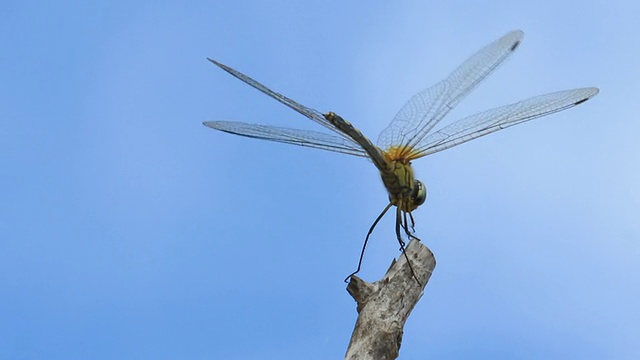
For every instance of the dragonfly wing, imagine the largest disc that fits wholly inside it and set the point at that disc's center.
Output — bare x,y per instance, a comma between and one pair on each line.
502,117
425,109
312,114
312,139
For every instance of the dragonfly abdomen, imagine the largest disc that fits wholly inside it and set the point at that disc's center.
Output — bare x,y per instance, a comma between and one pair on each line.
346,128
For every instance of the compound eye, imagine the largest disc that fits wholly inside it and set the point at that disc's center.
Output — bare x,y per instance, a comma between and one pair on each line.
419,193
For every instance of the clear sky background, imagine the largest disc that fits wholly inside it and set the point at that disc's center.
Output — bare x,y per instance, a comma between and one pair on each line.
128,230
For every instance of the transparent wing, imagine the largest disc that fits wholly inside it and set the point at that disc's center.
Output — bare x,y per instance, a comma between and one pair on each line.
425,109
499,118
312,114
311,139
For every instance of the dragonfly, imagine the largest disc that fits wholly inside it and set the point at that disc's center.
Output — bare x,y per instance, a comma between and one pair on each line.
409,136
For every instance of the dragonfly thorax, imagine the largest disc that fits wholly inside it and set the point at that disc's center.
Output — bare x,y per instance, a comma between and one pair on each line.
404,190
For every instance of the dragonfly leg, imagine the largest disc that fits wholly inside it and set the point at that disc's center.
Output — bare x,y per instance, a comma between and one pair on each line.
413,223
411,233
401,222
366,240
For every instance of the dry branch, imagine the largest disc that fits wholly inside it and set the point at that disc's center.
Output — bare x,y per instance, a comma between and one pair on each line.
385,305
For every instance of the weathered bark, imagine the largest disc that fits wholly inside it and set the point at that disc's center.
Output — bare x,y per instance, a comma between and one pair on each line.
385,305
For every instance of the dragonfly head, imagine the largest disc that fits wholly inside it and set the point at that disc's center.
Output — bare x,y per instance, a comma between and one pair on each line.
410,198
419,194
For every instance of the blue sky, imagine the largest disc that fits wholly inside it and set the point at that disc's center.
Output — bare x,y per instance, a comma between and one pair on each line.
129,230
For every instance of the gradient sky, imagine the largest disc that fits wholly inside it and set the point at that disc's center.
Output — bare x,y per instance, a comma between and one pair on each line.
128,230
